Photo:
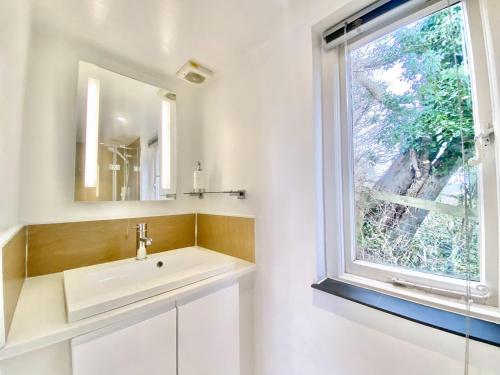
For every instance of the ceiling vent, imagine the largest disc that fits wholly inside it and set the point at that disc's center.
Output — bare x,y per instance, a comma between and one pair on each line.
193,72
164,94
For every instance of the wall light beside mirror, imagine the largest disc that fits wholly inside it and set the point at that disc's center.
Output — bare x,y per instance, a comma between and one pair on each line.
125,143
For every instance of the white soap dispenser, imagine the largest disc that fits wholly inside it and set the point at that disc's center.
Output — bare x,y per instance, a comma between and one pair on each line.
199,179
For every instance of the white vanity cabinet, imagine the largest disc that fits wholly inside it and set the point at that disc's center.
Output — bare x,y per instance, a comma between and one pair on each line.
208,334
199,337
195,334
146,347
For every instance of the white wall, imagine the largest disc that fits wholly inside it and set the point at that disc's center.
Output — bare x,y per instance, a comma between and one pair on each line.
259,134
48,149
14,38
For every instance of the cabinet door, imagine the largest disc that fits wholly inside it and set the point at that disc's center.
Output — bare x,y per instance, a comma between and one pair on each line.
208,334
146,347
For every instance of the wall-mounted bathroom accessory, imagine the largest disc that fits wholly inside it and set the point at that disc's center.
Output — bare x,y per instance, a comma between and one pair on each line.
240,194
199,186
199,182
125,144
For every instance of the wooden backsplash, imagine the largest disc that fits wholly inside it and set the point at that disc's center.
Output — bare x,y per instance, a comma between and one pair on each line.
13,271
231,235
58,247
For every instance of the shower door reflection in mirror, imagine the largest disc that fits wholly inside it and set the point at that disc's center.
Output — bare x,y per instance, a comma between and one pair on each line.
125,143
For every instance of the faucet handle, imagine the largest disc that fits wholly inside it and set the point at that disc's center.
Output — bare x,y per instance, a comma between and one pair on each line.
148,241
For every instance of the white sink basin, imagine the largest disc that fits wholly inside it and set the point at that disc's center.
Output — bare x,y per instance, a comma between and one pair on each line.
103,287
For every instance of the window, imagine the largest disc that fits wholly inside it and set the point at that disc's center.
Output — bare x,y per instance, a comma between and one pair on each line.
408,163
411,112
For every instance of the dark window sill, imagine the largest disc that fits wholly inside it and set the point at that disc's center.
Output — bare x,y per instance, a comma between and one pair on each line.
480,330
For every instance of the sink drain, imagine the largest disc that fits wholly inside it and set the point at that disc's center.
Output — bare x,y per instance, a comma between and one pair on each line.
159,264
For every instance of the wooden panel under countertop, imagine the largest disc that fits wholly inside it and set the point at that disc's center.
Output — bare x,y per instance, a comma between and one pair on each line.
58,247
231,235
14,272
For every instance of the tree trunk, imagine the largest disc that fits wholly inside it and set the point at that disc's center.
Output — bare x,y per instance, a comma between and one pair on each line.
410,174
414,176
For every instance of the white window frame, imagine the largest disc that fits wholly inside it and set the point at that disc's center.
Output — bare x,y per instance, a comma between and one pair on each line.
335,201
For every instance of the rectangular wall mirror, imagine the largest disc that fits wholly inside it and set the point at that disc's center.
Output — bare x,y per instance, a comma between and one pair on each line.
125,142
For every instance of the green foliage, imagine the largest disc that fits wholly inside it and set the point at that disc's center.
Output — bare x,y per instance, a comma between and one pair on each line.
434,118
434,248
425,118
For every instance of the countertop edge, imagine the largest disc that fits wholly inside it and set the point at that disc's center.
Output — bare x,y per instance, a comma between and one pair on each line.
19,342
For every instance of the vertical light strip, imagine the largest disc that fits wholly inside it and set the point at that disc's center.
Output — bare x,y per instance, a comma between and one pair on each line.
92,133
165,144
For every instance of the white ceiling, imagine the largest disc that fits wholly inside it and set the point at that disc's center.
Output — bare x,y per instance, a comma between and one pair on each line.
164,34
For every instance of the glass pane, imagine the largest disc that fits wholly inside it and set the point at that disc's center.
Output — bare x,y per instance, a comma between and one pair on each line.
413,129
120,152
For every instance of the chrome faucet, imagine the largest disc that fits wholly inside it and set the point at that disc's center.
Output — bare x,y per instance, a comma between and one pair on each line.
142,241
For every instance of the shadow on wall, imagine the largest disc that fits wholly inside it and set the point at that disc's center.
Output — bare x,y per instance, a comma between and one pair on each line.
417,334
